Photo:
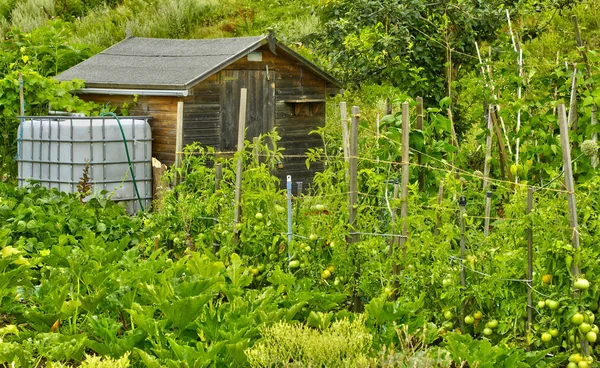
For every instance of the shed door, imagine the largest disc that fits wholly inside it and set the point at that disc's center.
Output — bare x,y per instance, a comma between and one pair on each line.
260,108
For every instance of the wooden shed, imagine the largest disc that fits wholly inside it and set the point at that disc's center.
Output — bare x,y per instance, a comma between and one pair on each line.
195,85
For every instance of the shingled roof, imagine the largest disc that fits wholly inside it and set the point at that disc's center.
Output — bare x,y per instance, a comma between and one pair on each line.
170,64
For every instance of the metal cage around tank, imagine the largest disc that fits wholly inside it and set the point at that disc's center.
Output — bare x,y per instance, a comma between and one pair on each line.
54,151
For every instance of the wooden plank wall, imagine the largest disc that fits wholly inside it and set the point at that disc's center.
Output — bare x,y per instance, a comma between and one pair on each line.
294,121
163,111
202,114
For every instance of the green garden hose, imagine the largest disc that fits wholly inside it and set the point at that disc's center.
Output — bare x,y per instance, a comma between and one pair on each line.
137,192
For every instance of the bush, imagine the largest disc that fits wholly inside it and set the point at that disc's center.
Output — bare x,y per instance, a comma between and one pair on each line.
343,344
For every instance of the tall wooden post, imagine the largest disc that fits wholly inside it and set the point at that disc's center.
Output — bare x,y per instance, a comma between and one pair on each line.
179,134
345,139
238,170
419,158
503,154
353,198
218,177
594,121
488,147
529,266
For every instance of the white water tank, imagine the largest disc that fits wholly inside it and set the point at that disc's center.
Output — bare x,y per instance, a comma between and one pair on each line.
55,151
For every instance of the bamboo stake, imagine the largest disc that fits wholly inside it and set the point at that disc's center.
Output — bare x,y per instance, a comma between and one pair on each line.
353,198
238,171
519,112
344,121
572,118
570,186
488,207
529,266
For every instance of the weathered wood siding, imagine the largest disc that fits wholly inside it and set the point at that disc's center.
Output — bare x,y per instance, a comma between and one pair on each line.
202,114
291,83
163,111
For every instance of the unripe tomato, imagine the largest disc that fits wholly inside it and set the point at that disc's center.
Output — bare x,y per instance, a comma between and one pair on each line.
325,274
448,314
585,327
583,364
575,358
591,336
581,284
553,332
552,304
589,316
295,263
577,319
492,324
595,329
258,216
313,237
469,320
572,365
478,315
487,331
546,337
541,304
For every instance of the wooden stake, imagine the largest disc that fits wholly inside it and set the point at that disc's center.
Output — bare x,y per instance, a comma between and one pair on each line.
570,186
503,154
580,45
529,267
218,177
238,170
388,106
569,183
572,118
344,120
438,216
419,156
488,207
353,198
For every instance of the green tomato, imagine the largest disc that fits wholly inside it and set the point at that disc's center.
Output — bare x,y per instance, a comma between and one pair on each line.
585,327
581,284
572,365
294,264
553,332
546,337
448,314
589,317
313,237
469,320
446,282
583,364
541,304
492,324
478,315
595,329
575,358
577,319
487,331
552,304
591,336
258,216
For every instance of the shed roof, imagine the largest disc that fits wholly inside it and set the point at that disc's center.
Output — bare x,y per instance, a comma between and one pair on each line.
170,64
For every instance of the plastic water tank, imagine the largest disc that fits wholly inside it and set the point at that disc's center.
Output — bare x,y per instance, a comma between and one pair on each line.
55,151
